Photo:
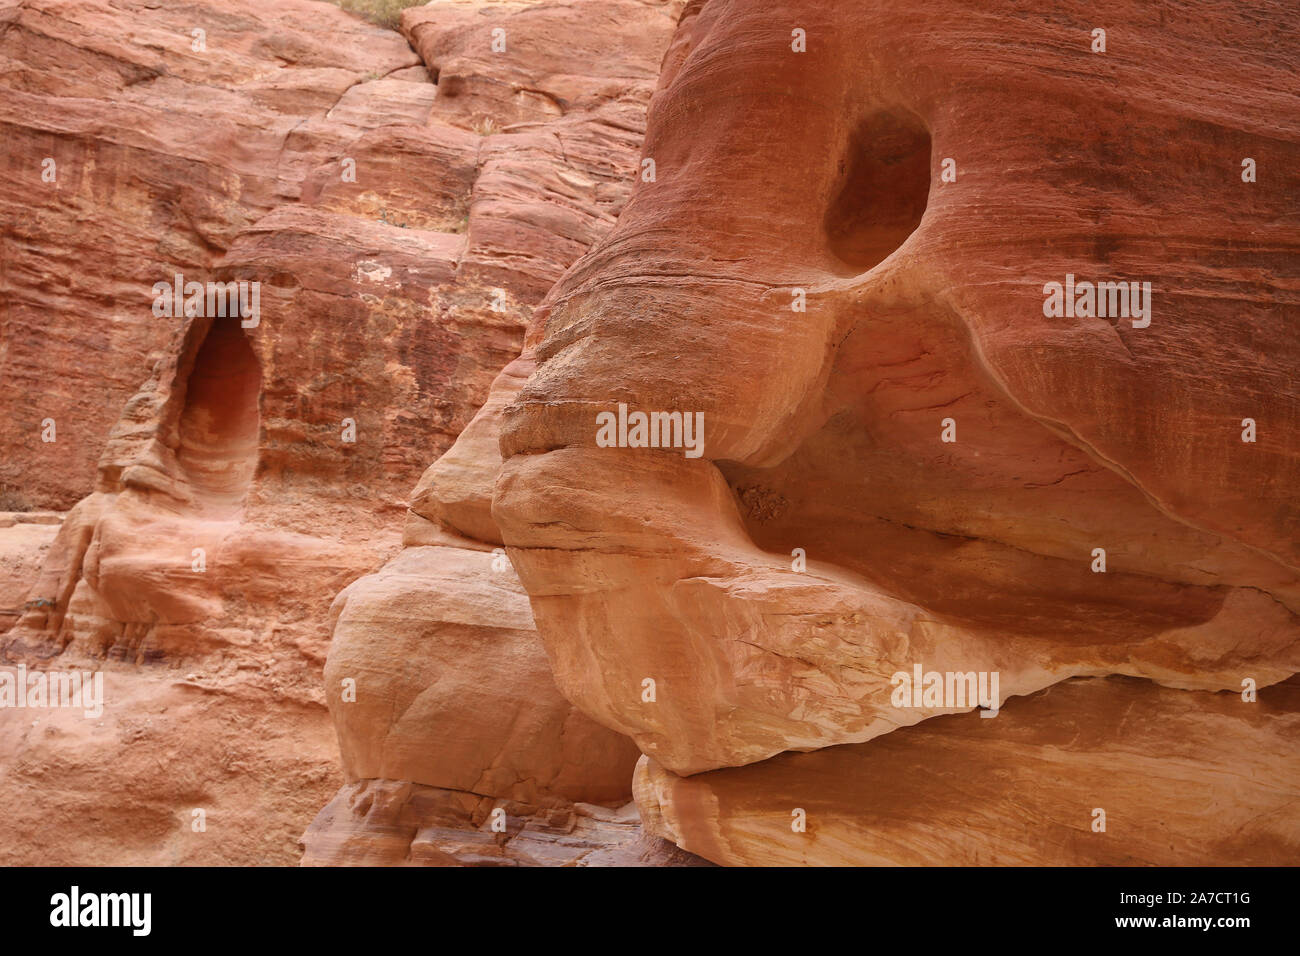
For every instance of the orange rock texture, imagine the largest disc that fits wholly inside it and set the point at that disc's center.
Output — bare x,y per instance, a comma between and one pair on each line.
849,271
860,434
401,205
1098,771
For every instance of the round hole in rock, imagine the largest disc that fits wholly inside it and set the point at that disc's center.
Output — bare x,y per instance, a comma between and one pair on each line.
220,421
884,189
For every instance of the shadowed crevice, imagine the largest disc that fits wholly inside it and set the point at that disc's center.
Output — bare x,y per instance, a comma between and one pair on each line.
885,185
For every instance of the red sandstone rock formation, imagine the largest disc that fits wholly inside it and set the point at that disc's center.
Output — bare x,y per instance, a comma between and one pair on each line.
889,396
436,677
400,234
162,154
1180,778
25,539
164,146
845,221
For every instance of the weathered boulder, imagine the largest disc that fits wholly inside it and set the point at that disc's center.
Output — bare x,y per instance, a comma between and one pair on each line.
436,677
1100,772
842,267
237,469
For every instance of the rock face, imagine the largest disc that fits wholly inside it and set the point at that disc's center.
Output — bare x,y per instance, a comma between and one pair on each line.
436,678
1179,778
390,823
237,469
138,148
657,455
253,757
914,456
25,539
148,142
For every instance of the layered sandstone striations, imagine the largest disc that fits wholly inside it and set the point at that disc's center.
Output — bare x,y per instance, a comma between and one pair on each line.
437,680
1096,771
910,456
824,428
845,223
236,472
141,139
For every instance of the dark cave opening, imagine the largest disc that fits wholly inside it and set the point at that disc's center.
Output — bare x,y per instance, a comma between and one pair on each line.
884,189
220,421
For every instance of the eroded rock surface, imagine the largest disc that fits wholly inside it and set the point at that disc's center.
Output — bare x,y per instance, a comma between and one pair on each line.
396,823
884,394
436,675
137,148
836,260
228,475
142,141
1100,771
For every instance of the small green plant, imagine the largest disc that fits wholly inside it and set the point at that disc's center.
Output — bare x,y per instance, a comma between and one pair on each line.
385,13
